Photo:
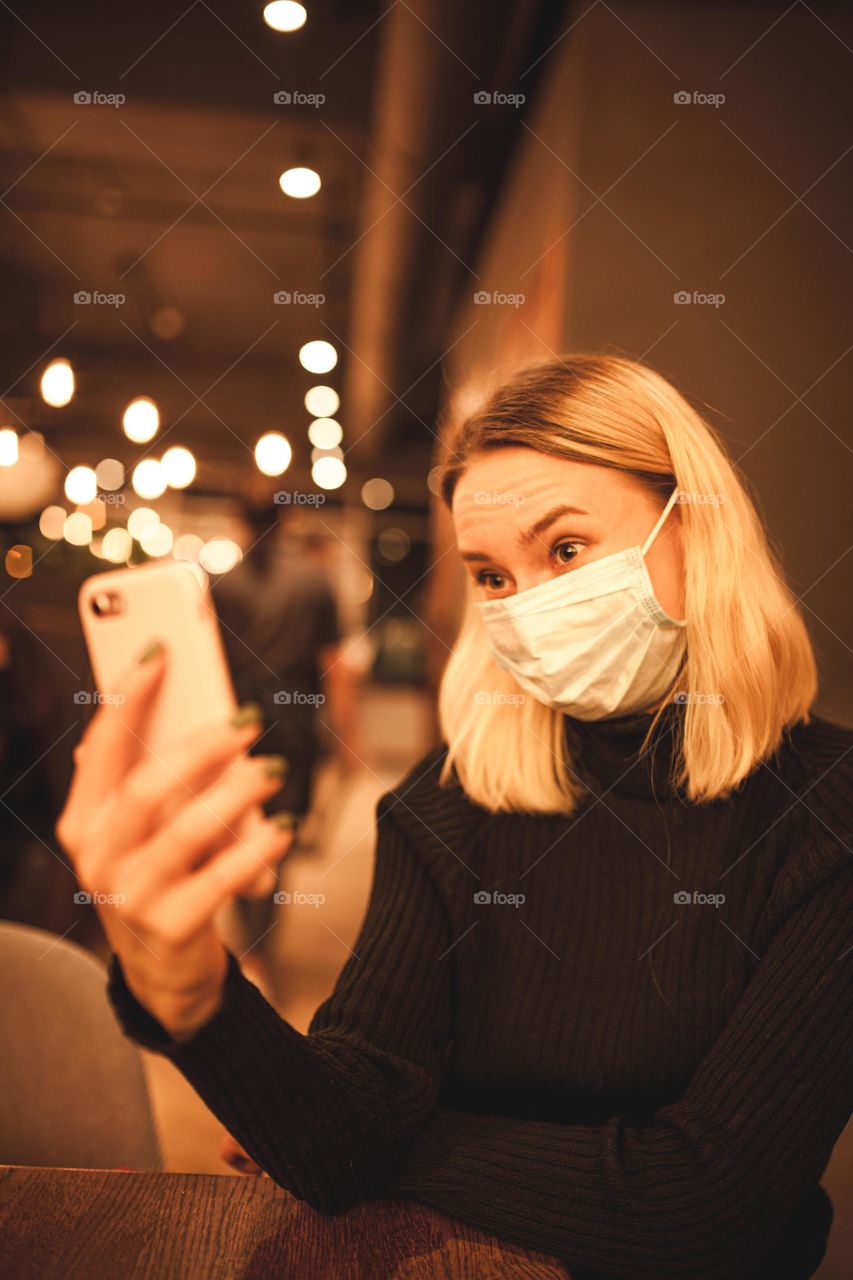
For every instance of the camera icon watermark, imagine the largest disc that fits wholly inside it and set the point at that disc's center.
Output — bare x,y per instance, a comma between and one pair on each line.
84,298
682,898
296,98
298,498
487,297
483,898
683,98
83,98
284,298
83,697
83,898
284,898
496,98
498,698
298,698
690,497
497,498
684,298
699,699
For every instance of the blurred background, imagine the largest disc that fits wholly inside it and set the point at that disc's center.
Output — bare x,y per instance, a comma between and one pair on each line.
250,254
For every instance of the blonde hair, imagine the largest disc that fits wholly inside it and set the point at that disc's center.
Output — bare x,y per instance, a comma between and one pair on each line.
747,645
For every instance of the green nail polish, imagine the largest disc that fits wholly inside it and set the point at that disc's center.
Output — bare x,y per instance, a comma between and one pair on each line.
150,651
275,766
247,713
285,820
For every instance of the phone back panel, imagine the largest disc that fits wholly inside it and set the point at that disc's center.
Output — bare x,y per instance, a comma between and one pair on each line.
161,602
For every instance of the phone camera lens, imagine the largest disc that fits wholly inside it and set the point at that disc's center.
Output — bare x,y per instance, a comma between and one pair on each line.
105,604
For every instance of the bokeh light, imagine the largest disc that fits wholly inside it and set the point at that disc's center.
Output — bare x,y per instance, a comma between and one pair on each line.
300,183
141,420
322,402
318,356
325,433
285,15
81,485
149,478
377,494
328,472
57,384
272,454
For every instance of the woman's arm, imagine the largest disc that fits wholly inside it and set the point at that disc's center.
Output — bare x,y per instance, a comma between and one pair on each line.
711,1180
329,1114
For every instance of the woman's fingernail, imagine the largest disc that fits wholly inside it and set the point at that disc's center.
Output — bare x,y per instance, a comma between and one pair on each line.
275,766
285,820
150,651
247,713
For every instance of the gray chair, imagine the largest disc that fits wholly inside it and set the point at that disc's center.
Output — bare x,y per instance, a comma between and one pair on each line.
73,1092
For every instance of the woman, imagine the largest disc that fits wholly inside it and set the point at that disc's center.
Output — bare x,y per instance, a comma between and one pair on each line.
601,999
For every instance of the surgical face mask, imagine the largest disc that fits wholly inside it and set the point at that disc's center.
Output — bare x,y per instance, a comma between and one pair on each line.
593,642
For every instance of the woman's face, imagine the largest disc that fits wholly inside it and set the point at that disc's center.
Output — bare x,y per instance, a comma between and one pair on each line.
522,517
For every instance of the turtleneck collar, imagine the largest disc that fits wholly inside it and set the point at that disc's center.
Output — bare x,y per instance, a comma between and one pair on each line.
608,752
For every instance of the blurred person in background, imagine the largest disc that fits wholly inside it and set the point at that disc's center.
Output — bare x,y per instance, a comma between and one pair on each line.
285,648
284,645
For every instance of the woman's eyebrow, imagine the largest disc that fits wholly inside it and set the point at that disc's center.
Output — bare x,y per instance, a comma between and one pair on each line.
531,534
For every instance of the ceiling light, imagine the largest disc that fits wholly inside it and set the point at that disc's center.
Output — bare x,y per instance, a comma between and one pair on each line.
322,402
141,420
81,485
149,478
325,433
300,183
272,455
57,383
285,15
318,357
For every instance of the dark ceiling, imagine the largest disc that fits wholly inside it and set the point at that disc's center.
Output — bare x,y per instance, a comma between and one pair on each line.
171,199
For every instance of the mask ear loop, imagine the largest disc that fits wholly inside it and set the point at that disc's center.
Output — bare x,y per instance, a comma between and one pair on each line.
663,515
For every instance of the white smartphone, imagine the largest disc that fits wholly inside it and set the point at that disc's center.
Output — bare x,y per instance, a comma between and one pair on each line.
122,612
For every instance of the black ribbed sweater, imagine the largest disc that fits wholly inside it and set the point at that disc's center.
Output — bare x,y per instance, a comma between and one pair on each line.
646,1087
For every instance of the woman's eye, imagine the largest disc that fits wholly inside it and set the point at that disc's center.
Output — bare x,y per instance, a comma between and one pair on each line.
493,581
571,550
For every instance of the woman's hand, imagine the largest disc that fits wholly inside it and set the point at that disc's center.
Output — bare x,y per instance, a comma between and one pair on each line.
155,841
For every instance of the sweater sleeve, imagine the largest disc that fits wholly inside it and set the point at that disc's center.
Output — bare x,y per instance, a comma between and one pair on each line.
710,1181
328,1114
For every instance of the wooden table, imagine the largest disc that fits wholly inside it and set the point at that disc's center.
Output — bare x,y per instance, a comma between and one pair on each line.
82,1224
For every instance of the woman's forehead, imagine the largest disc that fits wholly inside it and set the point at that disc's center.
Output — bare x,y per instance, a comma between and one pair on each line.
509,480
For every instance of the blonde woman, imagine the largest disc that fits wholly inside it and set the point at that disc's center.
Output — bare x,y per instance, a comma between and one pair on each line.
601,999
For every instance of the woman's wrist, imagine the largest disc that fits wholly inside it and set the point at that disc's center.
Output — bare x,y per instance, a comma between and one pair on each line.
180,1008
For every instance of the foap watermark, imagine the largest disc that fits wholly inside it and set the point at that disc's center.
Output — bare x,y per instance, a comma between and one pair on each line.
694,498
494,298
284,898
111,499
682,898
83,298
684,98
497,498
699,699
497,698
83,898
298,498
296,98
485,898
684,298
497,98
84,698
297,698
83,98
286,298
